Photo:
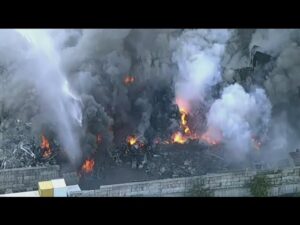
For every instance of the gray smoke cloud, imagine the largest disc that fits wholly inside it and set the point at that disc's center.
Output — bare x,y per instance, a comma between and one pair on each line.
42,72
37,68
273,41
100,72
198,55
240,116
282,86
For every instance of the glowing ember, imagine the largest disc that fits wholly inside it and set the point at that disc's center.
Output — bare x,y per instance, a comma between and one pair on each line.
208,139
47,153
211,136
45,143
141,144
88,166
131,140
128,80
98,139
178,138
46,147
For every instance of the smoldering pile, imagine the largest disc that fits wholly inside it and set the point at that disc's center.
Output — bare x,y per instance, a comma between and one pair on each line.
20,149
123,83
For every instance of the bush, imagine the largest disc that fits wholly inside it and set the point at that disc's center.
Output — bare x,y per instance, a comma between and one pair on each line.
259,186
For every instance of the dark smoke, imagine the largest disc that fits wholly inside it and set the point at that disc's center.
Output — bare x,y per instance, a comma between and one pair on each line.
213,71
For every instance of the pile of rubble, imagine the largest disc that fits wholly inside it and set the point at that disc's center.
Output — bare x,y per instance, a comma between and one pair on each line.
168,164
172,160
135,163
18,148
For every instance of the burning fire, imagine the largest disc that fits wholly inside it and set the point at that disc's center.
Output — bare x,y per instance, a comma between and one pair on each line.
187,130
211,137
183,117
128,80
88,166
135,141
132,140
207,137
46,147
184,125
178,138
183,109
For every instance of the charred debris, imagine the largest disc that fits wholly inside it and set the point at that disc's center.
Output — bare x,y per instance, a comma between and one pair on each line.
155,160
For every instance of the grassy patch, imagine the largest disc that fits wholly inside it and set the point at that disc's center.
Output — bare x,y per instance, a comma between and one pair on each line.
260,186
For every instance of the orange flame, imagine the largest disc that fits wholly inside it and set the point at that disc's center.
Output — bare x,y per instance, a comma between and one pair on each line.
88,166
46,147
212,136
179,138
184,115
128,80
187,130
183,109
45,142
132,140
208,139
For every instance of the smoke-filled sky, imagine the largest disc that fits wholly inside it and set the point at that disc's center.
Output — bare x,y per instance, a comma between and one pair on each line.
72,82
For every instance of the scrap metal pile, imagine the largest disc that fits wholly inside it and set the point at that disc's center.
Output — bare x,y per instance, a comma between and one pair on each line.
184,155
131,163
18,148
175,160
148,104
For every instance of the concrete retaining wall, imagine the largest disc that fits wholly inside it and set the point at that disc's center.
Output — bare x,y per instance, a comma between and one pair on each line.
286,181
22,179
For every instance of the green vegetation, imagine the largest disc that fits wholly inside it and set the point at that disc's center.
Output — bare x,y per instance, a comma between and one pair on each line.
260,185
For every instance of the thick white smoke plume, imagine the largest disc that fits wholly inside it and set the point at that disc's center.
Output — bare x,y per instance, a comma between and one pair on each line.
240,116
198,55
198,66
60,107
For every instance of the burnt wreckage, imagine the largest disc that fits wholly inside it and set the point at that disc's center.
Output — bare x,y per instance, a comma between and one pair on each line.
133,158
